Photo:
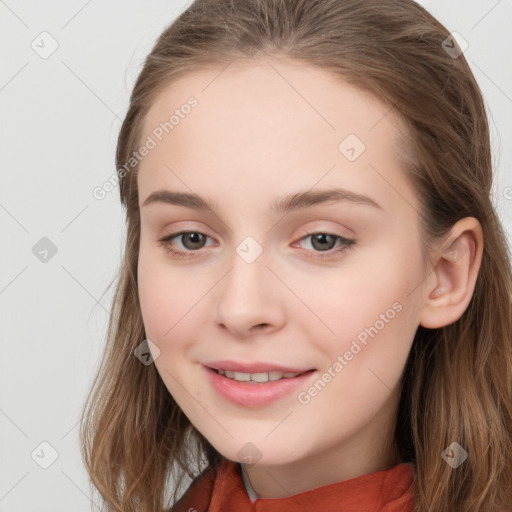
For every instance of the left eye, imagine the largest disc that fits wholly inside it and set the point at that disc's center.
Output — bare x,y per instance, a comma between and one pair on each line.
195,241
319,240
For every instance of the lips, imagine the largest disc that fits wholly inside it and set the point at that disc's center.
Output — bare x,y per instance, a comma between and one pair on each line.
254,394
255,367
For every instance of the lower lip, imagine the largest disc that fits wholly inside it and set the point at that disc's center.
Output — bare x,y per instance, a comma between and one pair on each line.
255,394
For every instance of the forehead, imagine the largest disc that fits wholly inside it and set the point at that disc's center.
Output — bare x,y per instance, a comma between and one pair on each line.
269,121
259,87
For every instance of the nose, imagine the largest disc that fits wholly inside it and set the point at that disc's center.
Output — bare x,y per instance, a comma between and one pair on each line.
249,298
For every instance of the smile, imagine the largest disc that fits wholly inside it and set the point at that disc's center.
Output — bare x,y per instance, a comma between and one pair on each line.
256,389
257,377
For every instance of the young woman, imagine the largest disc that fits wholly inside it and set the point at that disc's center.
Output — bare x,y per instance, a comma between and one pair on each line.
314,306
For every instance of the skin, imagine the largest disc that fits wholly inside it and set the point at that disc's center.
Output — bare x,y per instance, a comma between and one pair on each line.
262,130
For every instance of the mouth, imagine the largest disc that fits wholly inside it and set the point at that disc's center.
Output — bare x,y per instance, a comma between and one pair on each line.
254,367
257,389
259,377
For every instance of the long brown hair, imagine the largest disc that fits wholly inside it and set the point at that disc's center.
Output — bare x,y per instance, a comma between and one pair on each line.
457,383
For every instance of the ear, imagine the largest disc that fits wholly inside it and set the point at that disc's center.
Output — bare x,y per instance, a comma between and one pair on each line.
451,283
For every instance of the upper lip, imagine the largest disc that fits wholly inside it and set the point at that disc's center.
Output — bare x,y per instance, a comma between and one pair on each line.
255,367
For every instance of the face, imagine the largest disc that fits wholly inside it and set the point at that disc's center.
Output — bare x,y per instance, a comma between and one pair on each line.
327,287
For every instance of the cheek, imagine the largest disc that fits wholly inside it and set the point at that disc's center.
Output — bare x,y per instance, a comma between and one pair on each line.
171,300
161,299
354,298
370,312
164,313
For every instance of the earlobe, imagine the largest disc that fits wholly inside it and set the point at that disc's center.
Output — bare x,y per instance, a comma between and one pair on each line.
452,281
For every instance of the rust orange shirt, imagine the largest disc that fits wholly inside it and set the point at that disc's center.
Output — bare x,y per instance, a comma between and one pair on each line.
223,490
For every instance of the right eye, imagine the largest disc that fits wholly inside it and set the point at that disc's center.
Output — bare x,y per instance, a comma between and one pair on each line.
192,238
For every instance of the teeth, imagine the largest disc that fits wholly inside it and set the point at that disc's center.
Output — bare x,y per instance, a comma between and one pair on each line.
257,377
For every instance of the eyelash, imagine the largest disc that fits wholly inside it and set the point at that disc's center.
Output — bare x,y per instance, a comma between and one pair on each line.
347,243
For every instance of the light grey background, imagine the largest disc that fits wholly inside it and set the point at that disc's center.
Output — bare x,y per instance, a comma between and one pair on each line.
60,117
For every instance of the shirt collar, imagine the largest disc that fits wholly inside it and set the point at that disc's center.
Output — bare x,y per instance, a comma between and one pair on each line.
390,489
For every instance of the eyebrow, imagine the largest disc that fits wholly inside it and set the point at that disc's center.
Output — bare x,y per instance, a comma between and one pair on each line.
294,201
